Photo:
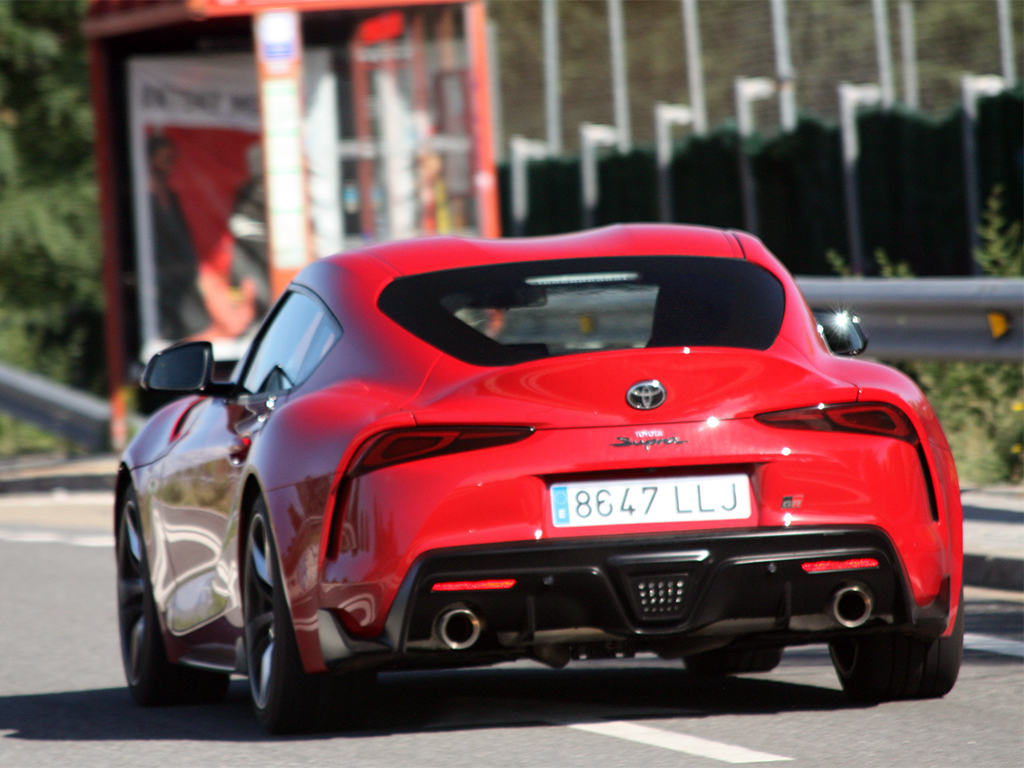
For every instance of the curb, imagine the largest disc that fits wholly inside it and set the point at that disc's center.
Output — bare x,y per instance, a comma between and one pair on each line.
47,483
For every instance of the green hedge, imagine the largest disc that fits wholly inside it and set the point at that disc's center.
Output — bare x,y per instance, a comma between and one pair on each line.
912,196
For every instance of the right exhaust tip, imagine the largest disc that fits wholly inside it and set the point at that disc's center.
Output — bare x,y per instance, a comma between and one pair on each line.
851,605
458,627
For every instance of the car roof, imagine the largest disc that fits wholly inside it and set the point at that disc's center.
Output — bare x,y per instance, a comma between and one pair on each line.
429,254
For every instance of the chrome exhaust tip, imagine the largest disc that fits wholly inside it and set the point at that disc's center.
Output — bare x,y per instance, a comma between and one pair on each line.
458,627
851,605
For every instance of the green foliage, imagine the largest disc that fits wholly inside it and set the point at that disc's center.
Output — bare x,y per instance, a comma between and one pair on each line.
980,405
50,286
1002,249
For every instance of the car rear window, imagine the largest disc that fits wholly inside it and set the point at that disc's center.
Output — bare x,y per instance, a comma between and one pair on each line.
509,313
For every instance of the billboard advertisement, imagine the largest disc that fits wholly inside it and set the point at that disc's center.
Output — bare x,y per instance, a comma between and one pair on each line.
199,196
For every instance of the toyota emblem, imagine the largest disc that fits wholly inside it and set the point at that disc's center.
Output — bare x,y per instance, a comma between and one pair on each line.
646,395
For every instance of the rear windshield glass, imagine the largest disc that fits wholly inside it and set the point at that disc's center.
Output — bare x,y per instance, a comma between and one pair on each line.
509,313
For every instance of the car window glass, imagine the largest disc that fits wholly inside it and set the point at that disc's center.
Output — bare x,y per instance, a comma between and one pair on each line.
297,339
508,313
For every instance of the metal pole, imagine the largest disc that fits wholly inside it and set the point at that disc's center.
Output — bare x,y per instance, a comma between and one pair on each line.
908,51
1006,42
971,87
695,67
882,47
749,89
784,66
850,97
552,79
493,75
665,116
591,137
521,151
620,92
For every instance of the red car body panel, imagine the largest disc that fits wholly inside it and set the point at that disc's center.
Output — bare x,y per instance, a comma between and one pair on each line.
350,543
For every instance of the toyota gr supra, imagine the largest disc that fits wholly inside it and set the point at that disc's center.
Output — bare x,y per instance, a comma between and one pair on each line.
451,452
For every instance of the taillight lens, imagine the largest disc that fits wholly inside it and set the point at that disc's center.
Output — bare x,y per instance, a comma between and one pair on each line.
865,418
413,444
470,586
826,566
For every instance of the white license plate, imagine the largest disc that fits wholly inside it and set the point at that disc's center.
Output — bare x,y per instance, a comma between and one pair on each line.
660,500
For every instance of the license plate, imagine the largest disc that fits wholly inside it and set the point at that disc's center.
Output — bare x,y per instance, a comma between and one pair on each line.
641,502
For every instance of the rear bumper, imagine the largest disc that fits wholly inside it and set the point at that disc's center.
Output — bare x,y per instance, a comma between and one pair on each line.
673,594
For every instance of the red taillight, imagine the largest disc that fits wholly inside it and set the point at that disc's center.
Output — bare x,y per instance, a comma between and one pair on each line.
464,586
411,444
822,566
865,418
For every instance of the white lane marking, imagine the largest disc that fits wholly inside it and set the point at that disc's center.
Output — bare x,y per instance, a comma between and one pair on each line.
1003,647
678,742
52,537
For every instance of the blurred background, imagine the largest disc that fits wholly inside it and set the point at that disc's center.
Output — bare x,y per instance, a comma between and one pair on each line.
778,163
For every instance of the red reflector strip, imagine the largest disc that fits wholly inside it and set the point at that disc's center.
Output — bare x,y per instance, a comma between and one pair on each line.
839,565
461,586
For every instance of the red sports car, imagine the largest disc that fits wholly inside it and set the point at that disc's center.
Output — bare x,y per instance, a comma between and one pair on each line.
452,452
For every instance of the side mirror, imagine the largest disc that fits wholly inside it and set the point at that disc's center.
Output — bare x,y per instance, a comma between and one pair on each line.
842,332
183,368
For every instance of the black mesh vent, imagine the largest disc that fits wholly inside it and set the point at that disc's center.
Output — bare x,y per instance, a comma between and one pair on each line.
658,597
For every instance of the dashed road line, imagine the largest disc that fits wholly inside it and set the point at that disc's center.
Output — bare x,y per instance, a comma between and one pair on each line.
57,537
678,742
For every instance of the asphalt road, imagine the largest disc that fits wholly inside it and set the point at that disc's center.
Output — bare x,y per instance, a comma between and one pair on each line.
62,700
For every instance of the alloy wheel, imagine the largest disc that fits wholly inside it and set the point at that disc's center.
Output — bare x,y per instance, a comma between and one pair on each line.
259,611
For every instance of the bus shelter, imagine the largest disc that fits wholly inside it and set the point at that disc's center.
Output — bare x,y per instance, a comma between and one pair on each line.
238,140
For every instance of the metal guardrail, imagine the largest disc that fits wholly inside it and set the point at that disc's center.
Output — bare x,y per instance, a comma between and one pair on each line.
64,411
980,319
930,318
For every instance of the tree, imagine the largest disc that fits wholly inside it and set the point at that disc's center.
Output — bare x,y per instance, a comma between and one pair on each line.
50,287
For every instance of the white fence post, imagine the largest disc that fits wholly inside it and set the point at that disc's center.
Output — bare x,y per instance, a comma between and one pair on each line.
592,136
666,116
748,90
521,151
850,98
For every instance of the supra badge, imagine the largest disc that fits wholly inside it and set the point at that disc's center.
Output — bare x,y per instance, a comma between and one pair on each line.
646,395
645,438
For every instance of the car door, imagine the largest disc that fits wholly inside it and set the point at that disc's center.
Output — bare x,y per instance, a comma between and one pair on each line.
200,485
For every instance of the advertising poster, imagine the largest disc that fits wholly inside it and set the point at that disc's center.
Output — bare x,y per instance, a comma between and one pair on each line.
199,198
195,144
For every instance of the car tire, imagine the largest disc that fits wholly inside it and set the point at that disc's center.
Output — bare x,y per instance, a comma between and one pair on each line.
896,666
285,697
728,661
152,679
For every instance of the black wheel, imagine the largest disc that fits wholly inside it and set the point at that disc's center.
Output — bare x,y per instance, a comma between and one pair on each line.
728,661
152,679
895,666
285,697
